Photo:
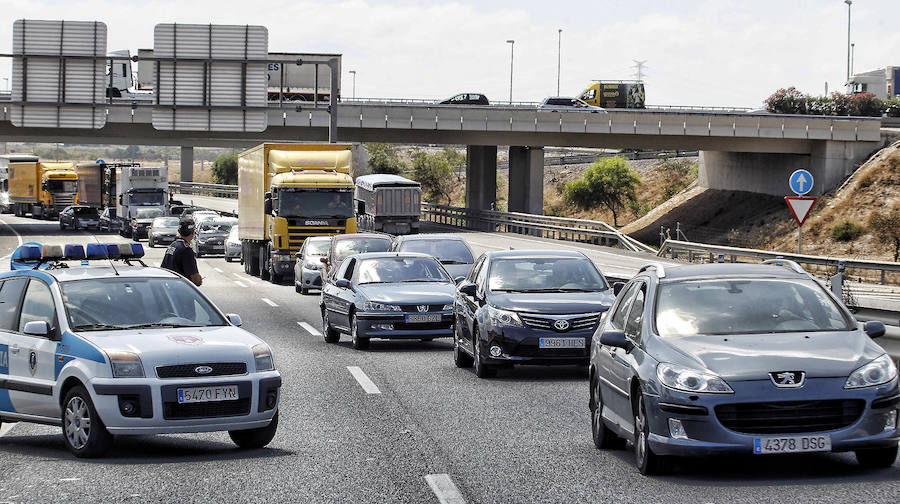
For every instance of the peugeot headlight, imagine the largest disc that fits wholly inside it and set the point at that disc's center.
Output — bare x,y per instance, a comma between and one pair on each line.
262,354
503,317
690,380
312,265
370,306
876,372
125,365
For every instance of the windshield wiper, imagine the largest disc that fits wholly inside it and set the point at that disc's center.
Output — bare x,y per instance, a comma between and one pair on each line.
157,324
451,261
510,290
97,327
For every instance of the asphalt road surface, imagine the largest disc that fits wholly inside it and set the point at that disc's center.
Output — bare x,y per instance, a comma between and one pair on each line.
394,424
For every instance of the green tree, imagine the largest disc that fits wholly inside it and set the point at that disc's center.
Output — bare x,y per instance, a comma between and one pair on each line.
610,182
383,158
435,174
225,170
456,159
886,228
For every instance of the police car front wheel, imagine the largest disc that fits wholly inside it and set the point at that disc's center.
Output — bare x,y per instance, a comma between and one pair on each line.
255,438
83,431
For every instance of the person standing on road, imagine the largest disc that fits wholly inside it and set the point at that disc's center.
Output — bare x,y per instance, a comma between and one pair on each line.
180,256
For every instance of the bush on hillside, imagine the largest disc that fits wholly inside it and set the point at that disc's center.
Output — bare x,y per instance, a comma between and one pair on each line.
886,228
610,182
787,101
846,230
383,158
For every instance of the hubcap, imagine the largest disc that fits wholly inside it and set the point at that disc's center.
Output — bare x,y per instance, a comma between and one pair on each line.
598,408
640,425
77,423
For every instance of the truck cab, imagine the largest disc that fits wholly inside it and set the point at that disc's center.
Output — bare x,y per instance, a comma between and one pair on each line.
140,188
41,189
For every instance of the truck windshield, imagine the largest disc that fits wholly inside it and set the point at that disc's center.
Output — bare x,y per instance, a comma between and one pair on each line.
333,204
61,186
148,213
147,198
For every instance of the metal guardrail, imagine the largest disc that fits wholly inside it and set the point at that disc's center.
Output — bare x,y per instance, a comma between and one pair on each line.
675,248
560,228
201,189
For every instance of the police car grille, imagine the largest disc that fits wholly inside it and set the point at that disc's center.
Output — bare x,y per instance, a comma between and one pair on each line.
206,409
788,417
190,370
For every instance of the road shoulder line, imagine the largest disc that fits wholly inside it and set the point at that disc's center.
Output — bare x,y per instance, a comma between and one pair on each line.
444,488
364,381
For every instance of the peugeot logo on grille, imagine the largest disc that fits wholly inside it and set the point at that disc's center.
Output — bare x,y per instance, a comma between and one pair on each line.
203,370
422,308
561,325
788,379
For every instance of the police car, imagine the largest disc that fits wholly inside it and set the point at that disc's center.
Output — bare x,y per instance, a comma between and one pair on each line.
117,348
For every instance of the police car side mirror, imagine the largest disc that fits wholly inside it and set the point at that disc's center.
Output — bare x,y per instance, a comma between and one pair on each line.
37,328
234,318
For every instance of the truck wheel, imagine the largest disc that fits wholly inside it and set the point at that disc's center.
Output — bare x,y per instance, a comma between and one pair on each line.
263,264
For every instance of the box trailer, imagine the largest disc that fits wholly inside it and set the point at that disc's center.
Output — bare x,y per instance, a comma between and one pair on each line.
41,189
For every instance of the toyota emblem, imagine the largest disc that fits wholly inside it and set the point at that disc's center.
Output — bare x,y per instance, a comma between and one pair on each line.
422,308
203,370
561,325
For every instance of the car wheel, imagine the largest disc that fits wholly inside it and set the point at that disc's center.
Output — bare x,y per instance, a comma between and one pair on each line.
359,342
83,431
62,227
878,457
460,357
648,463
482,370
604,438
249,439
330,334
151,243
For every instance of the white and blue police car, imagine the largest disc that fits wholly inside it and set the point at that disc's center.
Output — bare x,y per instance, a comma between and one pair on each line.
119,348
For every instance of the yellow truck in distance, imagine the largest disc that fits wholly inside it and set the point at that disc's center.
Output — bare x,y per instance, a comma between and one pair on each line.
614,94
41,189
286,193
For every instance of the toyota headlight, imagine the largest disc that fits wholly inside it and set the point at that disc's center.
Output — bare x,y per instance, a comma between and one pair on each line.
690,380
125,365
876,372
262,354
370,306
503,317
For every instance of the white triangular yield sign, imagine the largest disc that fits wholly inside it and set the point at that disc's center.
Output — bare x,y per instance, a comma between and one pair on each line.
800,207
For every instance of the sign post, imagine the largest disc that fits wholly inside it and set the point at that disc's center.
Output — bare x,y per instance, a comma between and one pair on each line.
801,182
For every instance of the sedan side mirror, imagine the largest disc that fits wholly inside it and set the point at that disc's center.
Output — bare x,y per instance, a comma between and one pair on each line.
41,328
459,279
323,260
342,283
617,287
467,288
874,328
235,319
616,339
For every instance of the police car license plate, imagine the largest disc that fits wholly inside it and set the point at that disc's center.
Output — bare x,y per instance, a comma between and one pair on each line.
792,444
423,317
208,394
562,343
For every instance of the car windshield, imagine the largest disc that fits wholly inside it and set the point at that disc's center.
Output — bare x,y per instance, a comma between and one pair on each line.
446,251
165,222
554,274
745,306
567,102
123,303
318,247
401,269
147,198
215,228
85,212
323,204
350,246
147,213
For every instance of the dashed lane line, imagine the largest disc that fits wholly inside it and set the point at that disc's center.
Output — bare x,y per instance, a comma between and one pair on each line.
310,329
5,428
269,302
367,384
444,488
241,284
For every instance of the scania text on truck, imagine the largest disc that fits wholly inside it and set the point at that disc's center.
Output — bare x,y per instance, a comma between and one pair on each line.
388,203
286,193
41,189
140,189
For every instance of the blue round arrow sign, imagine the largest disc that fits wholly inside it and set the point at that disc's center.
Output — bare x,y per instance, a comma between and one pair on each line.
801,182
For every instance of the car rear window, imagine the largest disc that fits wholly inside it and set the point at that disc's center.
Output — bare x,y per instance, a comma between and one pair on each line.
446,251
346,248
745,306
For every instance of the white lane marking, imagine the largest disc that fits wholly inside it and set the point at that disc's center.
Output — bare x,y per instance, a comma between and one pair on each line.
70,479
241,284
218,270
5,428
363,380
269,302
444,488
18,237
310,329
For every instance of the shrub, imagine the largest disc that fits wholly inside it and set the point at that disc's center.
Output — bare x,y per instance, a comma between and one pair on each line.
787,101
840,103
610,182
820,105
383,158
225,170
892,106
886,228
866,104
435,173
846,230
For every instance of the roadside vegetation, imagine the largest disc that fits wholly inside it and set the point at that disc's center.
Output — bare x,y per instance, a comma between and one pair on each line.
793,101
609,183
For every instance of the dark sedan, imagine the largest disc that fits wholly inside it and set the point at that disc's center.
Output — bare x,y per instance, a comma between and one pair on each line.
450,249
346,245
211,235
528,307
163,231
388,295
108,221
739,358
79,217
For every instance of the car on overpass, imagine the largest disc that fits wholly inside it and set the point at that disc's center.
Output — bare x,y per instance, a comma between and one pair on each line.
760,359
567,104
466,99
451,250
107,350
528,307
388,295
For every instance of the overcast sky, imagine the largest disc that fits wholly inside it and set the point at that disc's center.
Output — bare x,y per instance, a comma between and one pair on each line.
698,52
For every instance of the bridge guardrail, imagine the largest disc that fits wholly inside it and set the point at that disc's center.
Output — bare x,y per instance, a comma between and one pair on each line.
201,189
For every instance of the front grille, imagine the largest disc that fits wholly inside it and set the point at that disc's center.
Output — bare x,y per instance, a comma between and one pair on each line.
789,417
431,308
189,370
173,410
546,322
423,326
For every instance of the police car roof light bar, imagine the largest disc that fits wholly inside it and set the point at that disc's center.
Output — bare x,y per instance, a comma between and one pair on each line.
51,253
96,251
112,250
74,252
137,252
29,253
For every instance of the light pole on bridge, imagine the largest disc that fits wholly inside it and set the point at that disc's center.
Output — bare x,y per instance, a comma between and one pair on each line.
512,44
558,58
849,3
353,73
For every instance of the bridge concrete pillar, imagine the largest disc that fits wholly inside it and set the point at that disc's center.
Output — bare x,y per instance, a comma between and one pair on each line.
526,180
187,164
481,176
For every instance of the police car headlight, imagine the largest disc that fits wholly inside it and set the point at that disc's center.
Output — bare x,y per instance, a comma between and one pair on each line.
876,372
125,365
262,354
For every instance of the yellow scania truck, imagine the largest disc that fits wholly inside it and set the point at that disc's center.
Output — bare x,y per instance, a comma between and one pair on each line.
286,193
41,189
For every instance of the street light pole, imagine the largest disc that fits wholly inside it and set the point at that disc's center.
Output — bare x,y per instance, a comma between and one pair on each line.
849,3
353,73
852,56
558,58
512,44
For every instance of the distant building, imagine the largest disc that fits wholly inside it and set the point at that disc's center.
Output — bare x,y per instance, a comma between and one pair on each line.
881,82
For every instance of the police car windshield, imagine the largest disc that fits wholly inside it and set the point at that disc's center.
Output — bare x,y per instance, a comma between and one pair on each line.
103,304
